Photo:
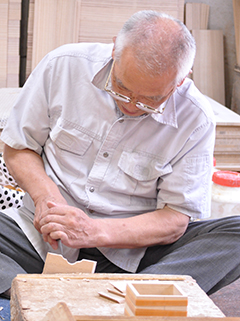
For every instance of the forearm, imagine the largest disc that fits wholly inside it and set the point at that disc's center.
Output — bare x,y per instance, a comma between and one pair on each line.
27,168
163,226
77,230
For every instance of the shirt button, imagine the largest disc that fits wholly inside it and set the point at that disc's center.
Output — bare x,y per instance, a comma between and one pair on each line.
105,154
91,189
121,120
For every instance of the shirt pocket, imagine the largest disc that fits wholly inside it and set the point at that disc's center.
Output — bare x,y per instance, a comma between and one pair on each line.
71,140
139,173
69,146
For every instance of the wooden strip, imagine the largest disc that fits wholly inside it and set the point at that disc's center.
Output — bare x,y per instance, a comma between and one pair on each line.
107,276
3,42
111,297
116,292
236,14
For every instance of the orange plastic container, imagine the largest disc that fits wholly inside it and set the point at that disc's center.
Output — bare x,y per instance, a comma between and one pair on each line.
225,194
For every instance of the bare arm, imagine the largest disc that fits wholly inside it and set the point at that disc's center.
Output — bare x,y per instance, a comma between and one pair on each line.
27,168
57,220
77,230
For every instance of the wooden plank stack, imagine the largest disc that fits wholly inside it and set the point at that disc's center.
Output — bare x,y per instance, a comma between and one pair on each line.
10,16
227,143
208,69
56,22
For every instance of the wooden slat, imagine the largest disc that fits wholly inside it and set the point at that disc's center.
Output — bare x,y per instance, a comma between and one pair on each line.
208,69
196,15
54,25
3,41
10,16
236,14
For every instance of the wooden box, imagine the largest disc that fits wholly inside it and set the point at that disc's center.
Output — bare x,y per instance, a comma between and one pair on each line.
150,298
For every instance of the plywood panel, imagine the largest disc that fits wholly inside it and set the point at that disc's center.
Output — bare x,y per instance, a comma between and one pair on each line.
208,69
57,22
196,15
10,16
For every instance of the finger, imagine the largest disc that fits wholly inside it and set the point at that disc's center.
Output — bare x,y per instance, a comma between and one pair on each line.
50,227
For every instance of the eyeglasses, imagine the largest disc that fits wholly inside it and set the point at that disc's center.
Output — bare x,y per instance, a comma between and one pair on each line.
138,104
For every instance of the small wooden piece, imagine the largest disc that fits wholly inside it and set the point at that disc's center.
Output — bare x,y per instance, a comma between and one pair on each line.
55,263
59,312
155,299
111,297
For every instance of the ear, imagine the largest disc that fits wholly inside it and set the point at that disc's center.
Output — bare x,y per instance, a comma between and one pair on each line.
114,40
181,82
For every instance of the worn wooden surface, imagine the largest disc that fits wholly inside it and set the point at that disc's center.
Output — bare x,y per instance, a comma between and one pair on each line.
34,295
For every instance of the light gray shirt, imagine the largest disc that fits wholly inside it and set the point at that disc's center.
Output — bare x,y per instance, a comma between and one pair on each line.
105,163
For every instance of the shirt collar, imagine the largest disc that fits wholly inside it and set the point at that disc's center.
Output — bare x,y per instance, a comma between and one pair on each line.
169,116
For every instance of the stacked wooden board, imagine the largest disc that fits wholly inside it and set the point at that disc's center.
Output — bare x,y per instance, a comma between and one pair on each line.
56,22
208,69
227,143
10,16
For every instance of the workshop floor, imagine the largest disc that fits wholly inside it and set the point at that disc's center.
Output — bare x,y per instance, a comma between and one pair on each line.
227,299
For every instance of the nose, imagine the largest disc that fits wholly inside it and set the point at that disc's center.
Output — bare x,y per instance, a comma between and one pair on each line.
133,98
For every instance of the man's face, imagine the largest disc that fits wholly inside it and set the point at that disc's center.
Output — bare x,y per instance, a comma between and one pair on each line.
128,80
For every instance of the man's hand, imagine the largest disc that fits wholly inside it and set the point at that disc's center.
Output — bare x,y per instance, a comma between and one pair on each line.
68,223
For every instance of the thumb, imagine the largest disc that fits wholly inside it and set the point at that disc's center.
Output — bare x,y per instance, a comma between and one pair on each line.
51,204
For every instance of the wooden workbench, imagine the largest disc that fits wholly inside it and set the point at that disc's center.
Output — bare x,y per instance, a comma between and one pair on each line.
33,296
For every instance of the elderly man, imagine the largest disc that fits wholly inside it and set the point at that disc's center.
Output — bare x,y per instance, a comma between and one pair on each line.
113,146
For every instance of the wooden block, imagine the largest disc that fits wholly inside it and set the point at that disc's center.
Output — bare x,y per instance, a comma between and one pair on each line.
208,68
60,312
55,263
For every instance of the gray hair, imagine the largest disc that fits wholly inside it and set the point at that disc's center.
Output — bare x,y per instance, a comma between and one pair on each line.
159,42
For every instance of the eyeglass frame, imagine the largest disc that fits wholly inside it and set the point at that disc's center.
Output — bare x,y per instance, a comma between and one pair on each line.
127,99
